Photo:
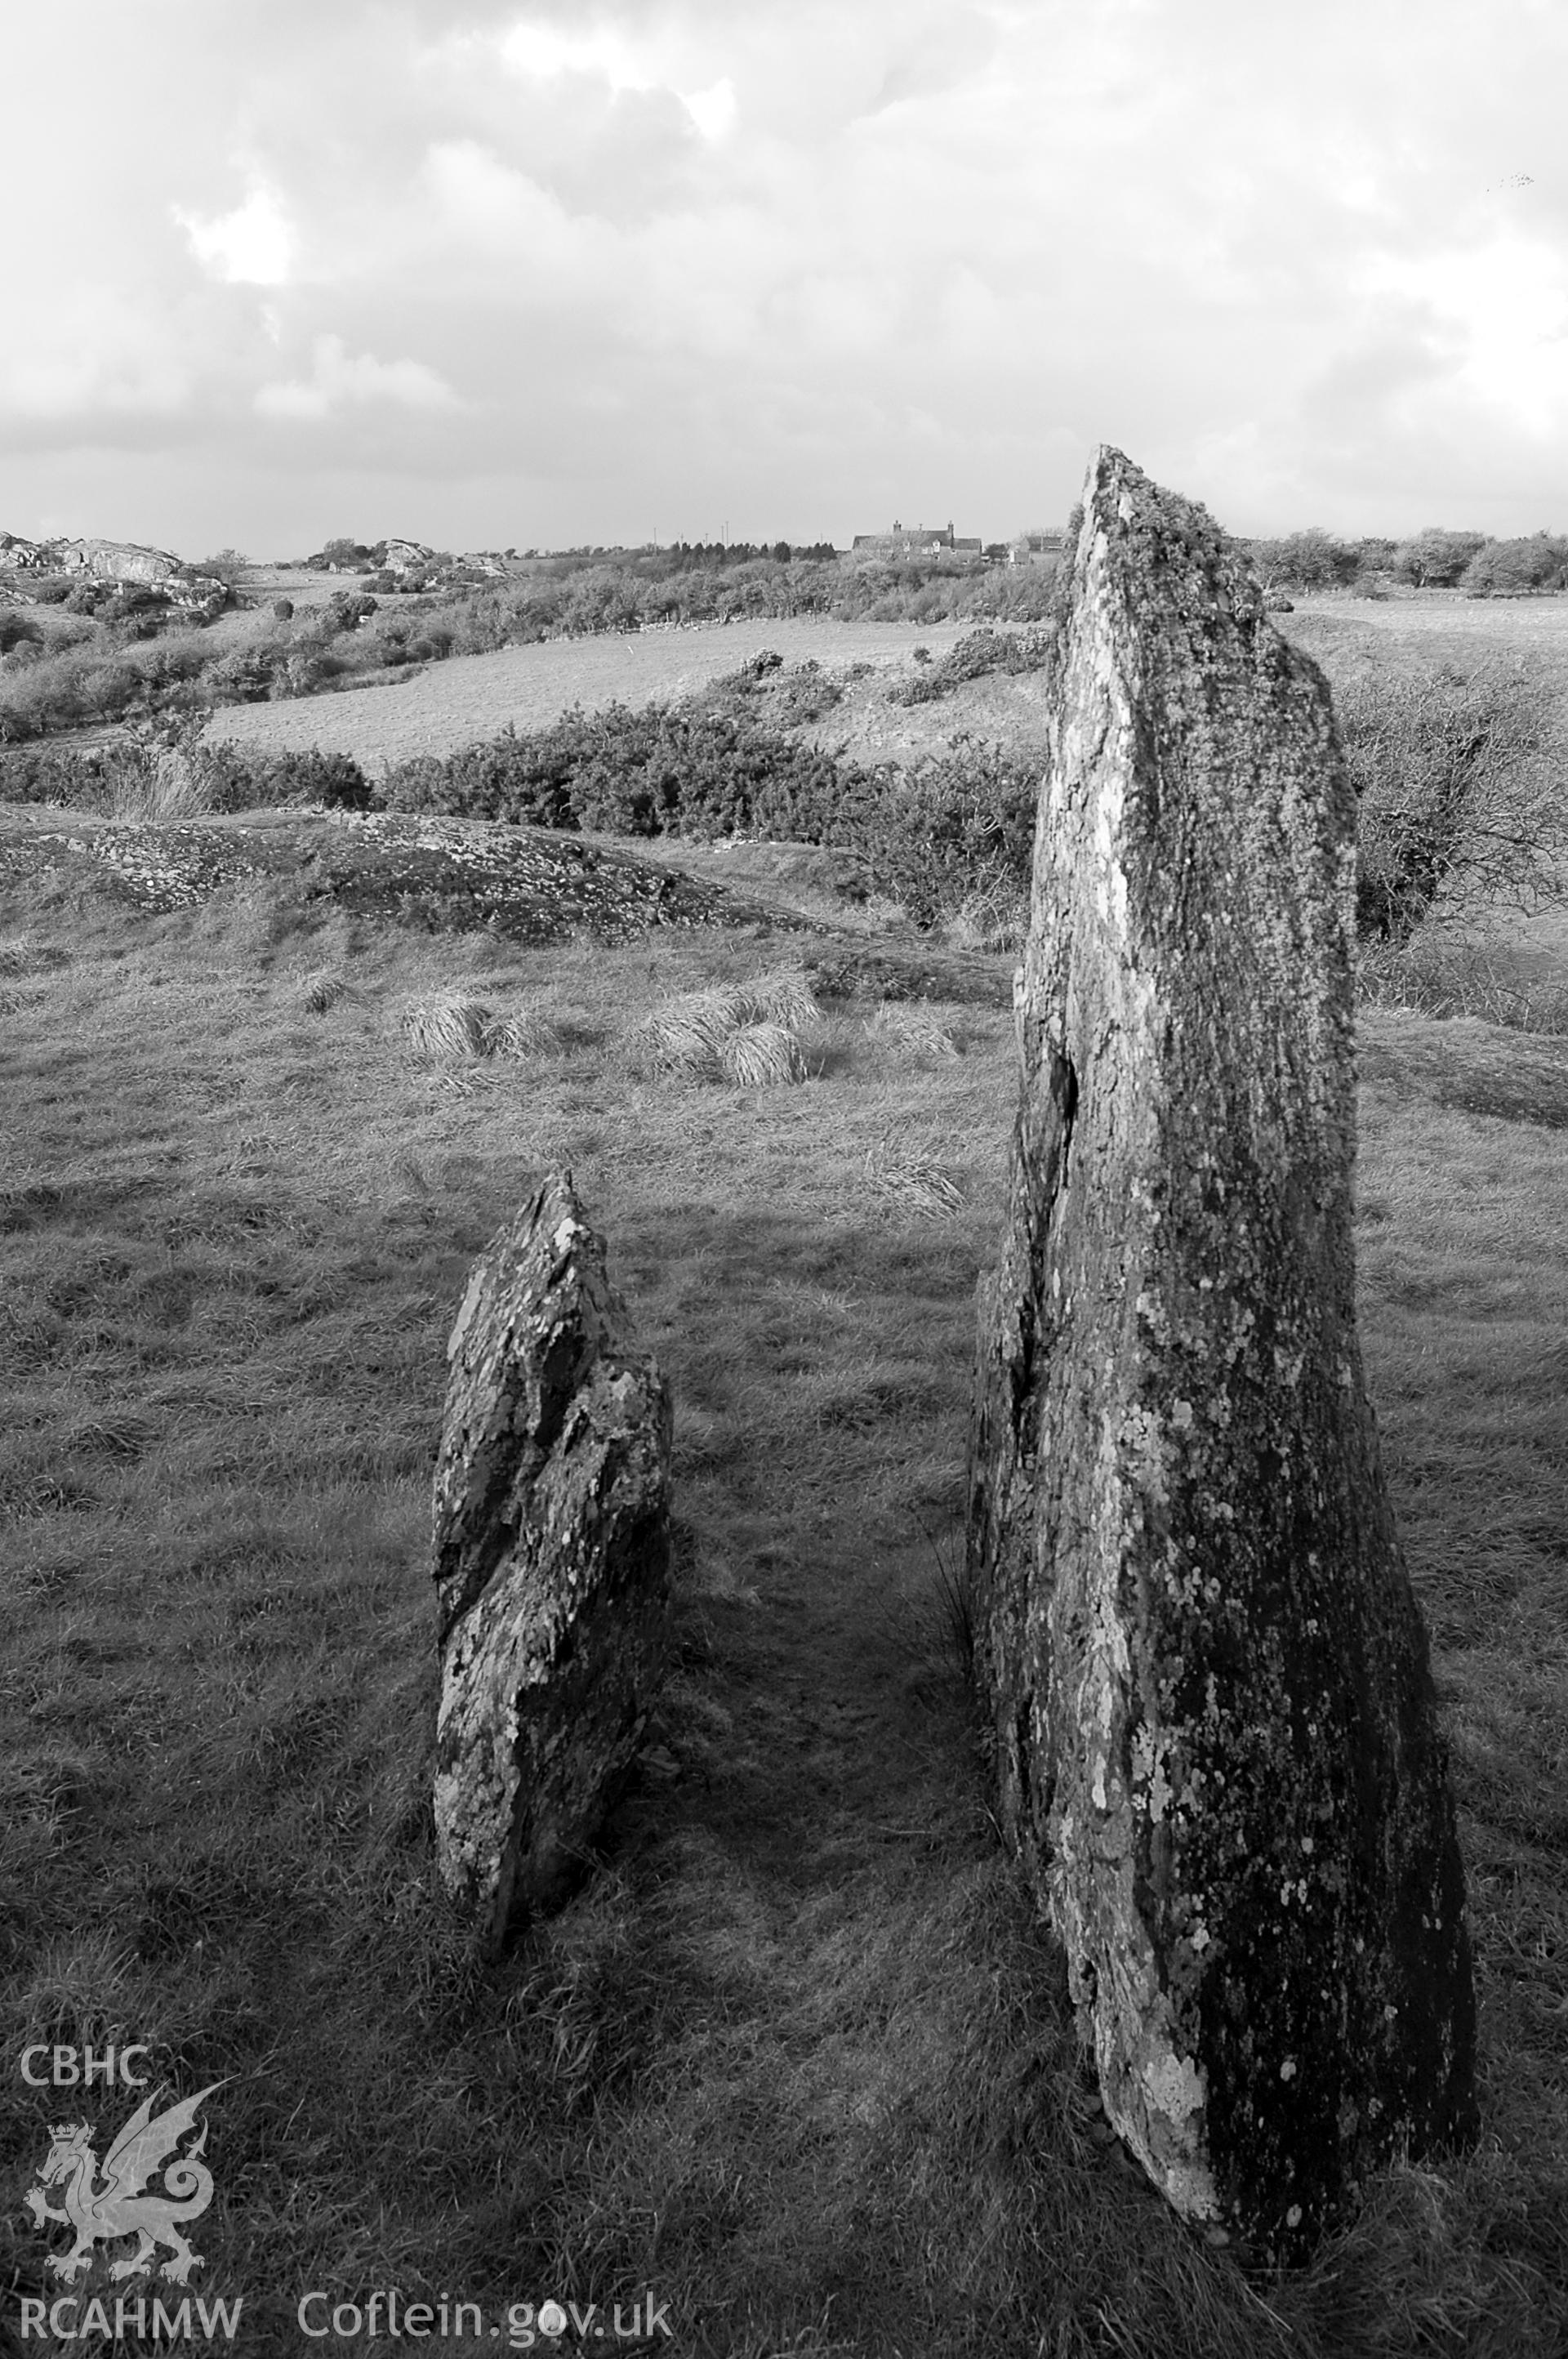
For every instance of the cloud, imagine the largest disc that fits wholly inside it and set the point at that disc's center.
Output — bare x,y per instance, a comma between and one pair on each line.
544,51
107,359
1502,309
603,53
252,246
791,262
340,379
713,110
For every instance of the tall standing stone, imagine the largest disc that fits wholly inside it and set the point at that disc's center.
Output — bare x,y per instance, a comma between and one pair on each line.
1215,1728
551,1557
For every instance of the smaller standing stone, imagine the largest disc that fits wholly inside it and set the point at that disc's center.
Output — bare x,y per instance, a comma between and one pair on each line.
551,1555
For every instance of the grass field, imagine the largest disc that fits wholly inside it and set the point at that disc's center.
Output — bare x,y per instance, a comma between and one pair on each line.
453,703
466,698
796,2063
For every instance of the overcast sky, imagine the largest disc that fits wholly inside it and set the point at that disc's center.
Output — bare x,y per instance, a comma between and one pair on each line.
522,273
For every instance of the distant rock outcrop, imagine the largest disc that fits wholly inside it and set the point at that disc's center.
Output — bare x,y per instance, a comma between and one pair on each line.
551,1559
1215,1728
406,556
120,560
121,564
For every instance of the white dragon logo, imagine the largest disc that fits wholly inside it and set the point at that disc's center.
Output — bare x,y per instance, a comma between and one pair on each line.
118,2205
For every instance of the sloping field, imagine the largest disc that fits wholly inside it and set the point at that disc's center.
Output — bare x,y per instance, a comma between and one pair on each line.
1534,622
472,697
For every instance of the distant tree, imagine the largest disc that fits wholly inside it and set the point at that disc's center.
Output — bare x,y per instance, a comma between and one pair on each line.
341,552
1434,559
229,566
1312,559
1514,569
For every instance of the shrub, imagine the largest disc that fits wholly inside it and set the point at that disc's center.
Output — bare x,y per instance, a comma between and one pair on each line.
972,658
48,774
309,668
348,608
234,778
1454,798
648,772
173,660
109,689
283,609
87,597
17,629
938,837
245,675
526,779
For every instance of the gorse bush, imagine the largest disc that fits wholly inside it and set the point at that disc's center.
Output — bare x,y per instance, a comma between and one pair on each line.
653,771
960,828
932,835
150,779
974,657
232,779
1456,796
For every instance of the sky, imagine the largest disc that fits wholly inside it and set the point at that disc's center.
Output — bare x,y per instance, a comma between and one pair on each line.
515,273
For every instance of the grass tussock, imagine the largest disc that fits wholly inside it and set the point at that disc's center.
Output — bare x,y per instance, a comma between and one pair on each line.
321,988
899,1174
454,1026
782,996
746,1033
913,1030
760,1056
797,2057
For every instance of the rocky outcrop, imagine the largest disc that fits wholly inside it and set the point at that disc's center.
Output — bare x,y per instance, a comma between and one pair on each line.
1215,1720
428,872
122,560
551,1560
